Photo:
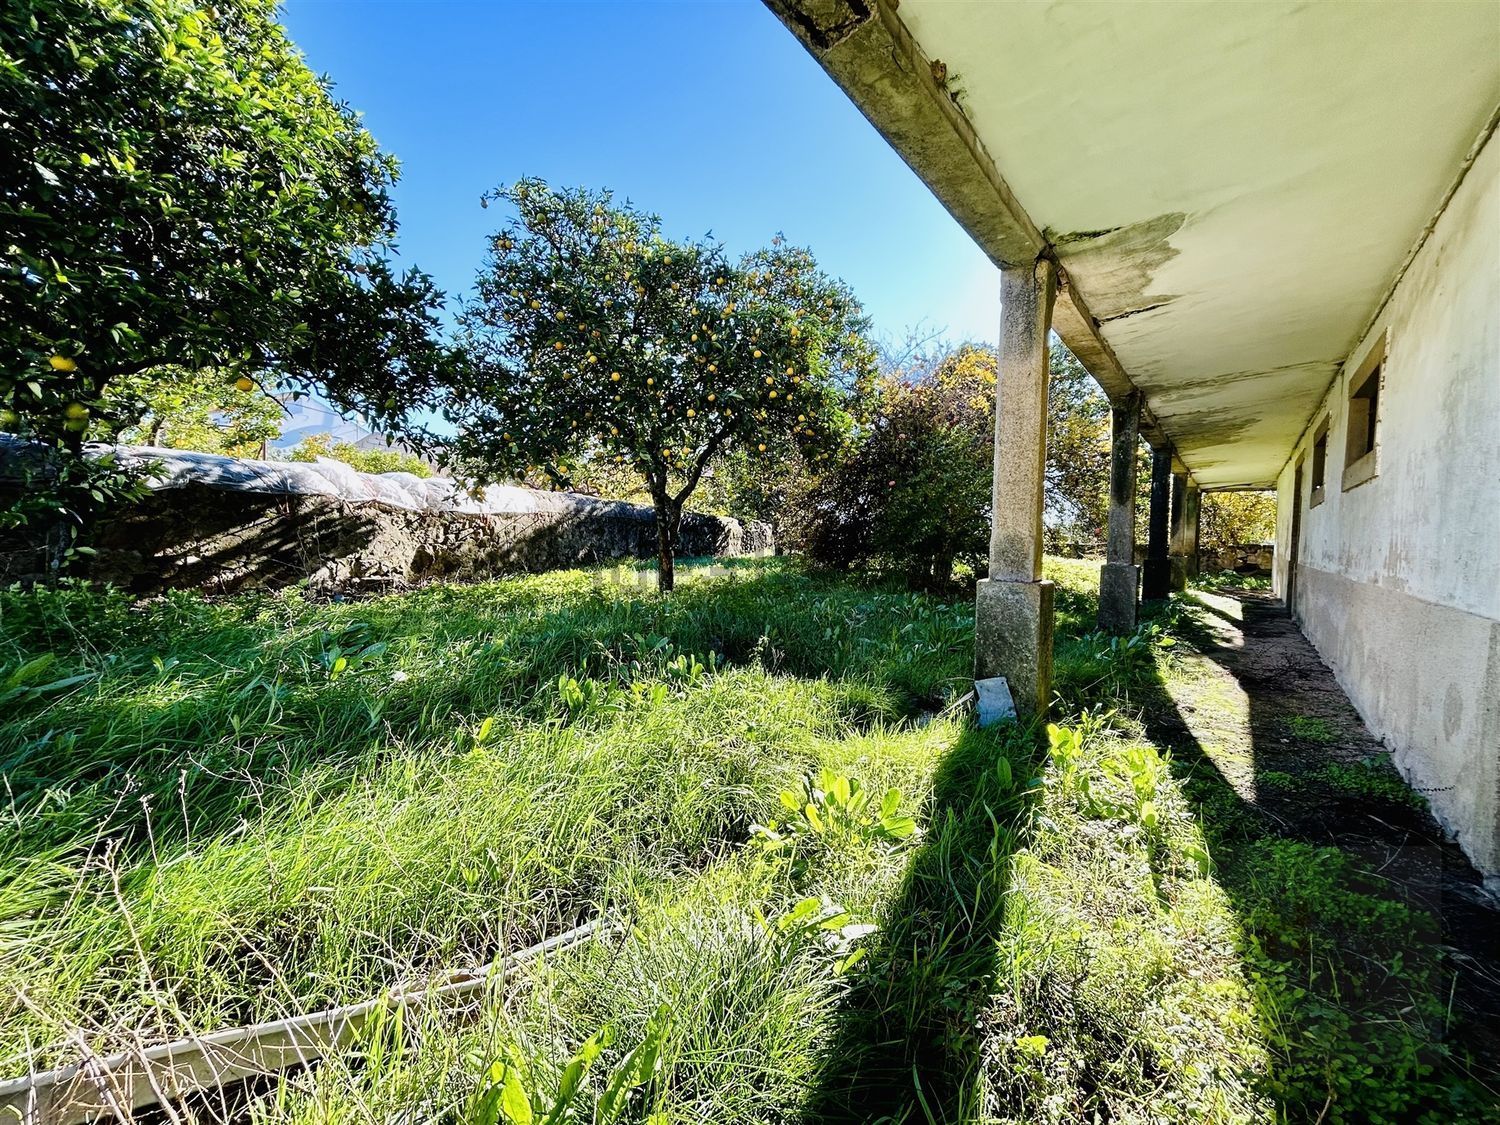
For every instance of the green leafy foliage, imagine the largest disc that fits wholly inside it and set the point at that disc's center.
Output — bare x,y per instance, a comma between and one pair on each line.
315,446
28,680
1076,480
1370,780
599,340
1228,519
182,192
1097,667
836,811
585,698
505,1098
1312,728
208,410
1325,954
1231,580
780,491
351,649
913,490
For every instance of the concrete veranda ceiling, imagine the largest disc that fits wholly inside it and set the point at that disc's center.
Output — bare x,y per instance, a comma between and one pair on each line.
1232,188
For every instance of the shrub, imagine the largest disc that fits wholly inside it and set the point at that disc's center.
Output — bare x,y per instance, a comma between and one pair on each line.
392,460
913,491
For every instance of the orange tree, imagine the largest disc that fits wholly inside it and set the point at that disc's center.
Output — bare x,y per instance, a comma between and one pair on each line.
179,190
595,338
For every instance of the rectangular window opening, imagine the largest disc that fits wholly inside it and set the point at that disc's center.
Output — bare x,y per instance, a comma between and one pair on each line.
1363,426
1364,412
1319,464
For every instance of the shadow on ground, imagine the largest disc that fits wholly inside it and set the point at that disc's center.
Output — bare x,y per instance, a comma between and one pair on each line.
1369,954
1342,879
907,1044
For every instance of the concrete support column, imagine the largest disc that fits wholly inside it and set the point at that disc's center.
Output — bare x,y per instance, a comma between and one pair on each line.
1119,577
1158,578
1179,543
1192,520
1013,612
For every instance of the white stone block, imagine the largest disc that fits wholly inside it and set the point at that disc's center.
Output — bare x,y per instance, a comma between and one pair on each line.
995,702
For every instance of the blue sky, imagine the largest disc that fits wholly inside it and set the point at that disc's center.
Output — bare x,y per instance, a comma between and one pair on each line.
707,112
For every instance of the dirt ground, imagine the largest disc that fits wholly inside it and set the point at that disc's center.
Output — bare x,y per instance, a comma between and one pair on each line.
1259,702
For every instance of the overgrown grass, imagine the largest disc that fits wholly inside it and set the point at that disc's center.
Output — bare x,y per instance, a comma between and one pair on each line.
266,804
223,822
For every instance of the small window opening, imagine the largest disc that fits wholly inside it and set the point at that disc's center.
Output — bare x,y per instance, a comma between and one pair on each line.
1364,413
1363,426
1319,463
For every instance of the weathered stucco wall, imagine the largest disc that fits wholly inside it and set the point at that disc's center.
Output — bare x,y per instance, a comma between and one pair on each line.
1398,580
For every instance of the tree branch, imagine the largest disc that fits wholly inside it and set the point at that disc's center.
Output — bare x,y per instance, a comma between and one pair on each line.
708,454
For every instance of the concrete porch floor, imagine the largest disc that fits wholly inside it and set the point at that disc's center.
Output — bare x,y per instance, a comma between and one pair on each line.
1252,700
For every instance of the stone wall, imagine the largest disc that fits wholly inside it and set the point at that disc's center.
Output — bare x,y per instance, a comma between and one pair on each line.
1254,559
211,539
1243,558
207,538
222,524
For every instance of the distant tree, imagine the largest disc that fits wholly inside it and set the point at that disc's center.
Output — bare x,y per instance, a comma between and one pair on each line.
913,488
209,411
776,491
390,460
1076,488
177,188
595,338
1228,519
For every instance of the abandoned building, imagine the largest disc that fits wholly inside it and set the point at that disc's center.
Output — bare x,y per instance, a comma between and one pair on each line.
1272,234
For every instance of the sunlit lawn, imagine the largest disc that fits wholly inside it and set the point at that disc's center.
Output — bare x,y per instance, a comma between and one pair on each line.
266,805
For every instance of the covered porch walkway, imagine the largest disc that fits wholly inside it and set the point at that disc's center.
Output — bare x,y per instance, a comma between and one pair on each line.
1253,705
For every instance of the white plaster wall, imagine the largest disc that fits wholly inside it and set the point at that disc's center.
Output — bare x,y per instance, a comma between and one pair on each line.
1414,642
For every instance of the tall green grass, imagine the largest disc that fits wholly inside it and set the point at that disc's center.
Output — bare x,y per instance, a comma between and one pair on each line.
265,805
257,806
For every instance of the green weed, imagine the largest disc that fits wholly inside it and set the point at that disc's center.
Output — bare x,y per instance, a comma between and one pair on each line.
1372,780
1311,728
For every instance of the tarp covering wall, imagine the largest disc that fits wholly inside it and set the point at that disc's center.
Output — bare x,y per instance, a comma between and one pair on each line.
226,523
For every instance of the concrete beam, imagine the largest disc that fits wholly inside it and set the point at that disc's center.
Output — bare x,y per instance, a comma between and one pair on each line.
867,49
1076,327
1118,579
1013,610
